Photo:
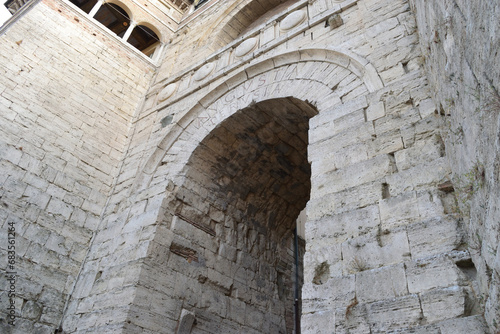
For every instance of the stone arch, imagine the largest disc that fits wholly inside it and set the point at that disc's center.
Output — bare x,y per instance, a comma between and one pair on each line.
223,197
123,6
236,18
115,16
152,27
233,216
197,115
84,5
145,37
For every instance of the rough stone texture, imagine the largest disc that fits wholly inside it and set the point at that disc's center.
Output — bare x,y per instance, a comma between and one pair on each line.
196,198
66,106
459,41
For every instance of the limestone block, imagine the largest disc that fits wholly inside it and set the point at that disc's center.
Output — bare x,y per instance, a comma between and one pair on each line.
442,304
396,120
10,153
220,279
259,68
467,325
422,151
393,74
421,129
352,319
336,159
140,221
34,180
434,236
227,251
420,176
347,200
395,313
41,255
236,310
118,298
408,208
340,227
268,34
344,139
321,322
326,124
430,329
374,250
387,142
36,232
382,27
431,273
146,320
32,310
337,291
254,317
185,322
427,108
381,283
354,119
351,176
375,110
58,244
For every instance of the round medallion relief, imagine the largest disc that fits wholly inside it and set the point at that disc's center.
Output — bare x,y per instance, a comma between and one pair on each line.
293,20
246,47
204,71
167,92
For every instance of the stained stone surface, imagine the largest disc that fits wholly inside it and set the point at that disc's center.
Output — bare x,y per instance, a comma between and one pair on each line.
164,199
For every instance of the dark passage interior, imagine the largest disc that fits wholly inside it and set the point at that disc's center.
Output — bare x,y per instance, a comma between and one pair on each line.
245,186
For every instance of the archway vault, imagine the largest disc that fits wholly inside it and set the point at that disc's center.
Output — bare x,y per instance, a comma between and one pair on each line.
234,214
238,162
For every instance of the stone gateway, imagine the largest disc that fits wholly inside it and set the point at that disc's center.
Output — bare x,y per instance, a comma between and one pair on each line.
250,166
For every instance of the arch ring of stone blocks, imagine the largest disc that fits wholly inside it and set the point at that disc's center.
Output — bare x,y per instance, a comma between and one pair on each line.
248,86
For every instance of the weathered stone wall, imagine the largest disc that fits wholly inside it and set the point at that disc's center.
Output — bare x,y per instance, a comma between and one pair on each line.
325,102
384,245
68,93
204,33
460,42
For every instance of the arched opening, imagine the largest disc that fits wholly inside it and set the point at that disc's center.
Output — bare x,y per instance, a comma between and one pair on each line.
114,17
244,187
144,39
85,5
250,16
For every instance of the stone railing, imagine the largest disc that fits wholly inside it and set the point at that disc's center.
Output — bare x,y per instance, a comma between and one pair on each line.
276,31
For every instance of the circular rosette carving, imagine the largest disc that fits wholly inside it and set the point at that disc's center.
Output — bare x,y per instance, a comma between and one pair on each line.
246,47
293,20
167,92
204,71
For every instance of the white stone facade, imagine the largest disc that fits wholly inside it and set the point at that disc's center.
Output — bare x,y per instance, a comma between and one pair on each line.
163,199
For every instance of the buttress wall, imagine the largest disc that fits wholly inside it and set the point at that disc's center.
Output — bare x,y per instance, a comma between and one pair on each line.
68,93
460,42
